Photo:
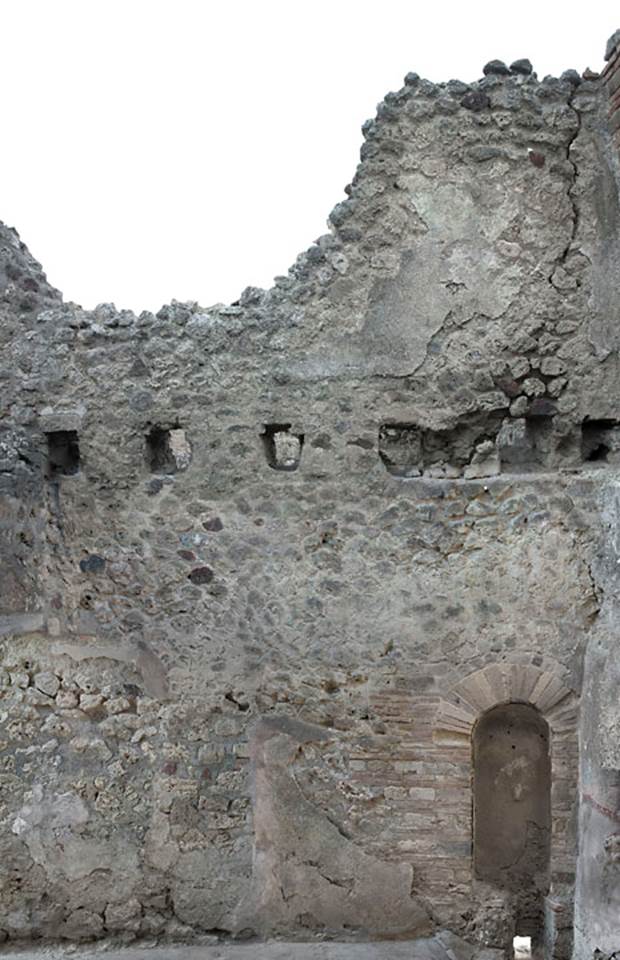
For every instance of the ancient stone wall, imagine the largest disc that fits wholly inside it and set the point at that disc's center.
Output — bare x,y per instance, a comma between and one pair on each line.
598,879
267,565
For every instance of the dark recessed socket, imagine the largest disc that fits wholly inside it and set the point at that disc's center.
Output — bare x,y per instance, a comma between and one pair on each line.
599,439
408,449
63,453
400,449
167,449
282,448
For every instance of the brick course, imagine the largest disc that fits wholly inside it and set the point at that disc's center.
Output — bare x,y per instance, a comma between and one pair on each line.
611,79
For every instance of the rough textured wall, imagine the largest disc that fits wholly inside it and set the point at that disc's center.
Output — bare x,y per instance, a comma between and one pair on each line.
267,564
597,914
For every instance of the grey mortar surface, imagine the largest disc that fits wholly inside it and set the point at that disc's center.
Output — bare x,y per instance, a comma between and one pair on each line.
222,683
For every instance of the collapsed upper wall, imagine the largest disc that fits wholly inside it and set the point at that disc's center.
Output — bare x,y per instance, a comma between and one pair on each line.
210,523
23,285
474,265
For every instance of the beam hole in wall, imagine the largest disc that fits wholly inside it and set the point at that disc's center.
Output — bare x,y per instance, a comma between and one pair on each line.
282,447
600,440
167,449
408,449
63,453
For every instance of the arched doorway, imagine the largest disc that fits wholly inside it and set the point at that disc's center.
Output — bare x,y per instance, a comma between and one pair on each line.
512,807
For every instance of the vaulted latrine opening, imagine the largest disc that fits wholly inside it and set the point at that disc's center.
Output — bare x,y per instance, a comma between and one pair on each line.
512,808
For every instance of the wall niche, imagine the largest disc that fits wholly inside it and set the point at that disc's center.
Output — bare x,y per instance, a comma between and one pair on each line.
512,809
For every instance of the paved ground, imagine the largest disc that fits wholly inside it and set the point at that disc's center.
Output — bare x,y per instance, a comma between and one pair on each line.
440,947
250,951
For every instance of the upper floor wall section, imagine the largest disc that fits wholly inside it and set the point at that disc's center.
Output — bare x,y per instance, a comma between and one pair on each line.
472,272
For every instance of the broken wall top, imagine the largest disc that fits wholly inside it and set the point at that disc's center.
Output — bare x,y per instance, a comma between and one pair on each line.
472,270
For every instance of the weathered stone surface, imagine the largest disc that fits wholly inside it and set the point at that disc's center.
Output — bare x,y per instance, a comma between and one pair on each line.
442,946
523,66
265,566
612,45
495,67
307,867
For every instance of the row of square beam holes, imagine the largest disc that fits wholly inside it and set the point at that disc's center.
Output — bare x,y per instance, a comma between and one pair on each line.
168,450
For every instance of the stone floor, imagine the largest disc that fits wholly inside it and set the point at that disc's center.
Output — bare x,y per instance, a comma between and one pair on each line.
251,951
442,946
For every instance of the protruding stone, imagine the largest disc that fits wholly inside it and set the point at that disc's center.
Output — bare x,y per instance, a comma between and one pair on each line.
180,449
90,702
519,367
510,387
436,471
82,924
484,463
523,66
93,563
457,88
67,700
47,683
213,524
536,158
201,575
613,44
519,407
552,366
497,67
123,916
368,128
555,387
533,387
542,407
571,76
341,211
412,79
475,100
513,443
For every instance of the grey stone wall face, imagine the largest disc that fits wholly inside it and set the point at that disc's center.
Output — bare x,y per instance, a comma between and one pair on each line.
265,565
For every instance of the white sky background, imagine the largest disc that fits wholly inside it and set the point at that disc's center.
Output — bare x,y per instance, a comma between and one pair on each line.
159,149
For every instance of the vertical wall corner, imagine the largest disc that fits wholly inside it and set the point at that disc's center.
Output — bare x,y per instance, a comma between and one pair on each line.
611,80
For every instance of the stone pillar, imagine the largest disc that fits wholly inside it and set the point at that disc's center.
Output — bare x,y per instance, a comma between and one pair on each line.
597,893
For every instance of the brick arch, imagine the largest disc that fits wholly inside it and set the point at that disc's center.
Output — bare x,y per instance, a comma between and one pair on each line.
542,687
546,688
